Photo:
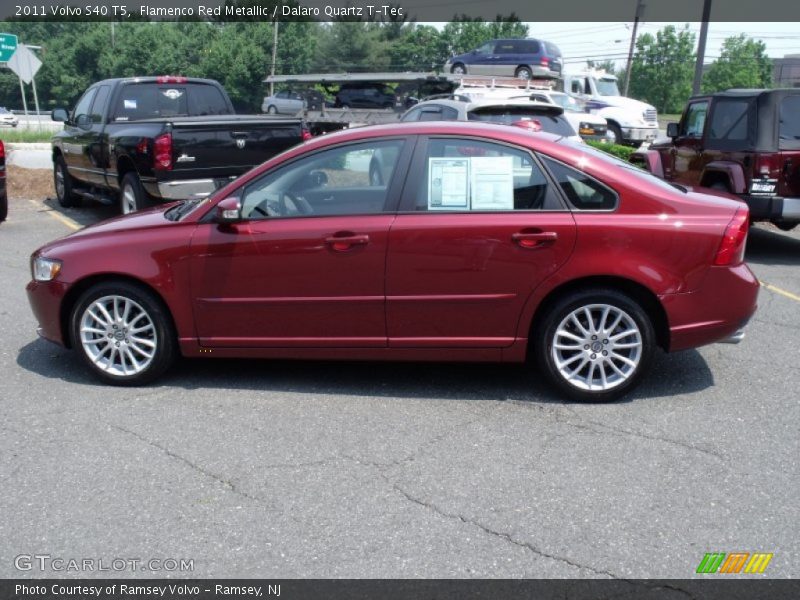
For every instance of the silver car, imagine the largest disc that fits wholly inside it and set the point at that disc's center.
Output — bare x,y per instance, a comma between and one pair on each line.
7,117
285,103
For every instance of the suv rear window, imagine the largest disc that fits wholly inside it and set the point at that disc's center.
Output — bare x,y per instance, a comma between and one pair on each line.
789,123
508,115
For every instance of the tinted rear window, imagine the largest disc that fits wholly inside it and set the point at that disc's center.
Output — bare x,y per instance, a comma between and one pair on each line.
508,115
789,123
154,100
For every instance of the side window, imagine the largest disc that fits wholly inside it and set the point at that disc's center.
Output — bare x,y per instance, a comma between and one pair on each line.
729,120
282,94
583,191
84,104
412,115
99,104
472,175
576,88
506,48
349,180
487,48
695,119
789,123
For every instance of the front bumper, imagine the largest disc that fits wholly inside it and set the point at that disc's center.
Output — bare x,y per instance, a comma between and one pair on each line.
639,134
45,298
716,312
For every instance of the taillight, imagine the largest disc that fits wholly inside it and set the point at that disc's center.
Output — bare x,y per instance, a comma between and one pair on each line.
529,124
731,250
306,135
162,152
767,165
170,79
2,149
545,61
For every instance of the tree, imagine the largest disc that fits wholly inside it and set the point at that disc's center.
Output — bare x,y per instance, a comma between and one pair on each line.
663,68
743,63
609,66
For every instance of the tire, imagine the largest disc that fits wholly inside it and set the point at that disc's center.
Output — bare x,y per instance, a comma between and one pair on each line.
3,207
62,181
102,334
272,110
782,225
616,132
573,361
720,186
523,73
132,196
458,69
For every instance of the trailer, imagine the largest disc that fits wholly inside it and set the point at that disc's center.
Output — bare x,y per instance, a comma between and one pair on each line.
411,88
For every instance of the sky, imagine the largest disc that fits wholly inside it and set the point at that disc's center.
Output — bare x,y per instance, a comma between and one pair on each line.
580,42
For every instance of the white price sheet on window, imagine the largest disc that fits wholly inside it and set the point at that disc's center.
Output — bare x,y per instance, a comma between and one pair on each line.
492,182
448,183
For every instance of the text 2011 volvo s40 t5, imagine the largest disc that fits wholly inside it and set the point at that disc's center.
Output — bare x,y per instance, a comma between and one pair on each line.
483,243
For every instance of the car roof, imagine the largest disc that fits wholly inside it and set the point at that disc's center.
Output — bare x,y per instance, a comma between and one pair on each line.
489,102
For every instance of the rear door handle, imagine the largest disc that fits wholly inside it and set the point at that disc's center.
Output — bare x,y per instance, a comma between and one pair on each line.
534,239
343,243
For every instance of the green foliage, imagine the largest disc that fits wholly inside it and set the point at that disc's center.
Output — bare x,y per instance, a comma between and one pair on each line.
609,66
743,63
663,68
621,152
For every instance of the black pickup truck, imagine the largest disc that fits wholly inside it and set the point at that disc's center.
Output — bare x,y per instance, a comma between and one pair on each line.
149,139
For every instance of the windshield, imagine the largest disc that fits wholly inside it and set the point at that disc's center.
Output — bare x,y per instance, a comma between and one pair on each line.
607,87
630,169
509,115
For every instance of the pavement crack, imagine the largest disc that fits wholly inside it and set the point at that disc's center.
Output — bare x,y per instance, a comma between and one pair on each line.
506,537
226,483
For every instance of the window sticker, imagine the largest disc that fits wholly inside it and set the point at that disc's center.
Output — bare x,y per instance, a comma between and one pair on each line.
172,94
448,184
130,104
492,182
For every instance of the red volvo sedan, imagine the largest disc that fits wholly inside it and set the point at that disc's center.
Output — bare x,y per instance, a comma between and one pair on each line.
480,243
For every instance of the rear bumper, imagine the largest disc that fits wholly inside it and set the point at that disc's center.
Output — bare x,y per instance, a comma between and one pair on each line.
181,189
716,312
773,208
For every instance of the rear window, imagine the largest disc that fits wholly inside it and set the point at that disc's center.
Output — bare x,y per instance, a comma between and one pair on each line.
789,123
552,49
153,100
508,115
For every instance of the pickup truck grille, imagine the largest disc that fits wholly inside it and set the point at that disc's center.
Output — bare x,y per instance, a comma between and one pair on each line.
650,116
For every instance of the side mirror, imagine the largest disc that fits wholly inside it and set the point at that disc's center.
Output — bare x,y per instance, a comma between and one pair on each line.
59,114
228,211
318,178
672,130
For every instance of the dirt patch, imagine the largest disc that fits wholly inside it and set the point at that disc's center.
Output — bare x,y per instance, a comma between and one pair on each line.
29,184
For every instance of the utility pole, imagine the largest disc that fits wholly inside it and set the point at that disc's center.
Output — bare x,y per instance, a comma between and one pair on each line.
701,48
636,17
274,55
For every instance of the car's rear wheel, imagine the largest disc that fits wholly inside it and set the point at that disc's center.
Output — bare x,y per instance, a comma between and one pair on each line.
3,207
123,332
524,73
720,186
132,196
594,345
458,69
63,183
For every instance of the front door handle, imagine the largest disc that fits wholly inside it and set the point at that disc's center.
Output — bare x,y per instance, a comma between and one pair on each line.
346,241
537,239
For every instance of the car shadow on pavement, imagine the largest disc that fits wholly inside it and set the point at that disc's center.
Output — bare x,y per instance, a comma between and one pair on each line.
88,213
772,247
680,373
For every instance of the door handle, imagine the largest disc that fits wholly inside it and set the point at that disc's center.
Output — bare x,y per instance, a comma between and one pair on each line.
343,243
534,239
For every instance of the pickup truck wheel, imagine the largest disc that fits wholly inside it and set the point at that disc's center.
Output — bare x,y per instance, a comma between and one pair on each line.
132,196
63,184
594,345
272,110
123,332
3,207
720,186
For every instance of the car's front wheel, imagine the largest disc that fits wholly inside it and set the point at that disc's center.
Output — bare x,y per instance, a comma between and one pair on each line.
458,69
594,345
123,332
63,183
273,110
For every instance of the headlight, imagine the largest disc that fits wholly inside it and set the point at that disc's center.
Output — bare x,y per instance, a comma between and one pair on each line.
45,269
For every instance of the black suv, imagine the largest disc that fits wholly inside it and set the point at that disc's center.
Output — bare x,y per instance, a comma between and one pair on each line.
365,95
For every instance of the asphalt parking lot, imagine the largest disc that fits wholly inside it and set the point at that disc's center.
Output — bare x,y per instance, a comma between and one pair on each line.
284,469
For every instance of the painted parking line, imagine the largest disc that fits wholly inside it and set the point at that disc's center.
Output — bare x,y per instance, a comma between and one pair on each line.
74,225
782,292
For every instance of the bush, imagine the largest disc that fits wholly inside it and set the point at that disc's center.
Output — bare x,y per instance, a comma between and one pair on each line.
621,152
